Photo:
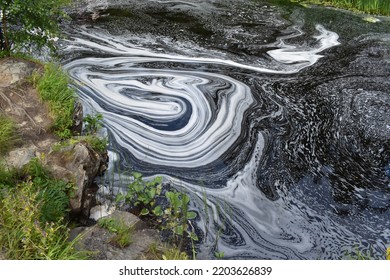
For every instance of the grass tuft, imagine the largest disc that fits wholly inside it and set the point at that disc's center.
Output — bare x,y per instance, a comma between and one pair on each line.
123,234
380,7
7,134
53,87
24,235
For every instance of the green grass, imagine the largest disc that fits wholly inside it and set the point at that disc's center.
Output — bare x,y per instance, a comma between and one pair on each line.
165,252
33,208
123,234
380,7
7,134
96,143
53,87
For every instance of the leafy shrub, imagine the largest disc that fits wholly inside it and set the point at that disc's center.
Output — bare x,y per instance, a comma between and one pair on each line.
26,23
177,214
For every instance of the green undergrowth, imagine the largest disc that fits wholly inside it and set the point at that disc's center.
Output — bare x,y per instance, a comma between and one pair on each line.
7,134
96,143
33,215
165,252
379,7
166,209
53,88
123,234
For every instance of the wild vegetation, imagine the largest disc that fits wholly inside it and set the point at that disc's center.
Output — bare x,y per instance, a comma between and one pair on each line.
7,134
29,24
167,210
53,88
33,209
123,234
380,7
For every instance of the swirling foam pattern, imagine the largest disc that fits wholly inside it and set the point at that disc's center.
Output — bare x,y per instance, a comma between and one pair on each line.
167,110
164,117
172,117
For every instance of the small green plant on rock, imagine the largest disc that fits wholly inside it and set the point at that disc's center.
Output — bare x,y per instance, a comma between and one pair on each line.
165,252
123,233
93,123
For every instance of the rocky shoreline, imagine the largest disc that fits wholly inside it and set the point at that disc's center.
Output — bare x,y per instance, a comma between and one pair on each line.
78,163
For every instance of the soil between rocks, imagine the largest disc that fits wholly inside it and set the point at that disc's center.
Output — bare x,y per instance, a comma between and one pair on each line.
19,101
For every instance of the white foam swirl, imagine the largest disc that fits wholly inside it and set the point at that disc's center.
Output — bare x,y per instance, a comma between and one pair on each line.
140,105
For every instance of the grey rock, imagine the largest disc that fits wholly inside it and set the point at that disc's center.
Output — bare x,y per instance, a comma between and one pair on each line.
79,164
13,71
98,240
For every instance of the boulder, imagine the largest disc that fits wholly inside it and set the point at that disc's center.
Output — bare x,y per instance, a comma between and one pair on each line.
13,71
97,240
79,164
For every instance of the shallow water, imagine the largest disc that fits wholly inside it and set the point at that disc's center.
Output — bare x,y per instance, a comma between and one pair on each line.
274,119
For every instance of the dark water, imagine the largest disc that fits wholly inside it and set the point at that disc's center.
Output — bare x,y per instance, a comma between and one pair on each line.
274,119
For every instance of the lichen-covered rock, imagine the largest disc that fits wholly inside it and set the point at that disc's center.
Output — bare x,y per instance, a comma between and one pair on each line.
13,70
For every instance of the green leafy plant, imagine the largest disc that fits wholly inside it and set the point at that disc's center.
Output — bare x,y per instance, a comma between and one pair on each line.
171,212
142,195
123,233
219,255
177,214
93,123
24,23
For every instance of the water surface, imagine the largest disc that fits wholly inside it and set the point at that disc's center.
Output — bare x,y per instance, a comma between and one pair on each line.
274,119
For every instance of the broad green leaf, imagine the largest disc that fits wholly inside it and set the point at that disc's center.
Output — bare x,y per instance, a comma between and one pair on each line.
158,211
151,193
193,236
178,230
186,199
119,197
191,215
138,188
144,212
136,175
